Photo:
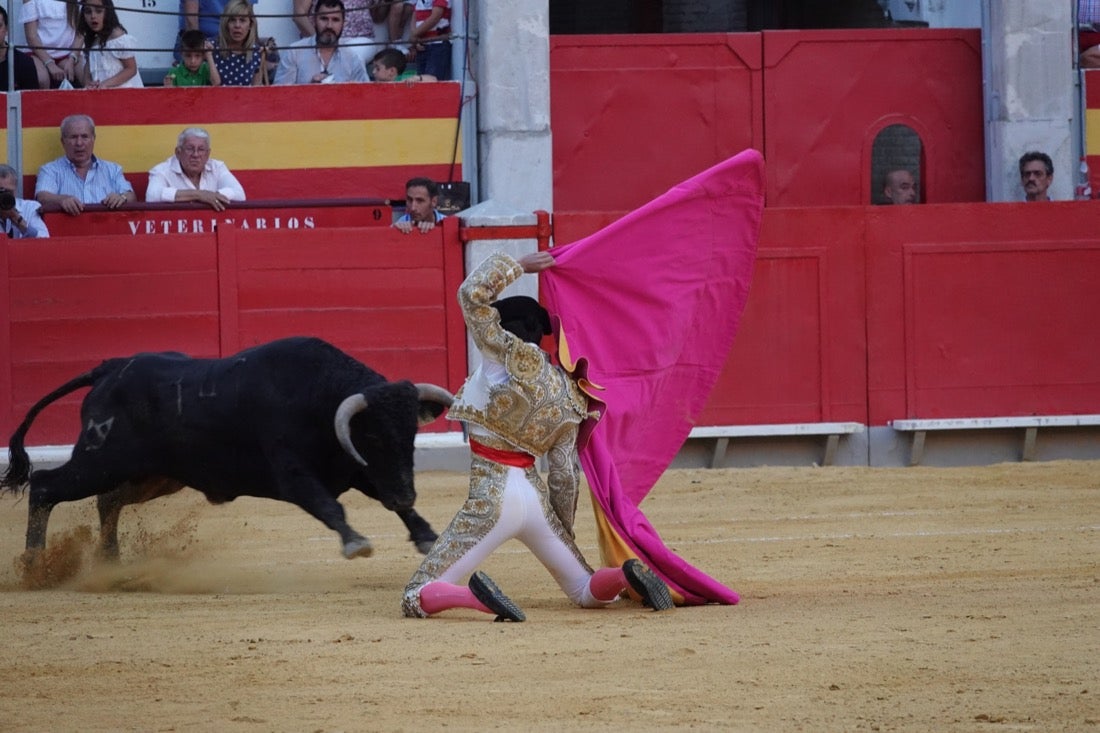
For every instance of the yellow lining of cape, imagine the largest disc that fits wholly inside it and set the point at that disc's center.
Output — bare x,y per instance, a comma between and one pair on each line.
614,551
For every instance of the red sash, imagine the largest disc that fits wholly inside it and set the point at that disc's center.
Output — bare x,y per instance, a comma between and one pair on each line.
514,458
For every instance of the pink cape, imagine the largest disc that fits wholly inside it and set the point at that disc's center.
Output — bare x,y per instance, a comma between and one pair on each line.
653,302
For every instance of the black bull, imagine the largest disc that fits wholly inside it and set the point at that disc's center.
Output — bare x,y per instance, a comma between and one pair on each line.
296,420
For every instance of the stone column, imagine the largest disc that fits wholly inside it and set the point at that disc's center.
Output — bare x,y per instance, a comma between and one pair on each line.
515,164
1027,55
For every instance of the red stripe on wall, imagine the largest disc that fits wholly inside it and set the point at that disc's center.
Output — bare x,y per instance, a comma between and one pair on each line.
211,105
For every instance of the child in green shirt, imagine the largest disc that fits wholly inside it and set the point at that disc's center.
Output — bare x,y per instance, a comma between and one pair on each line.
196,68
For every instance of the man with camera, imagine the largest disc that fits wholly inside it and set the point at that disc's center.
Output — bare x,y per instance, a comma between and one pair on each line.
21,219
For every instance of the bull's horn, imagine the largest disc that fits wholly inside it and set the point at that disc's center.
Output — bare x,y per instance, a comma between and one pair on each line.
434,393
350,407
433,401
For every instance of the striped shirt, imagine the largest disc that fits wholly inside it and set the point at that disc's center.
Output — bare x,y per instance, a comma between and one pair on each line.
60,177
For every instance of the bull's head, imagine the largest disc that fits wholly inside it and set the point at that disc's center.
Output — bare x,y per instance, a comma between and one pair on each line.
391,414
433,401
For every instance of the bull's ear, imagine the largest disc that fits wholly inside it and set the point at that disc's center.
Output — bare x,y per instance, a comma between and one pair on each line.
433,401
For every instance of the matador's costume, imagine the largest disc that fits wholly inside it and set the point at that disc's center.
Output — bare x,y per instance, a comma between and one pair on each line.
518,405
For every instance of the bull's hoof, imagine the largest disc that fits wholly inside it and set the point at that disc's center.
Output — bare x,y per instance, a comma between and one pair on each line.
358,548
425,546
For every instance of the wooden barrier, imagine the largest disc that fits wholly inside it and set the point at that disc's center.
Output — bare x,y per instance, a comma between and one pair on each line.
386,298
857,315
187,218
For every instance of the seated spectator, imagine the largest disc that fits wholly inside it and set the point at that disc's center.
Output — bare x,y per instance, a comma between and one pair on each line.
1036,175
192,175
358,32
242,60
430,39
421,199
1088,34
204,16
196,67
322,59
21,219
26,72
389,65
108,49
50,29
899,187
79,177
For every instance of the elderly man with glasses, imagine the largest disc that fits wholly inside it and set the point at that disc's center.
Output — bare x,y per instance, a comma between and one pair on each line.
192,175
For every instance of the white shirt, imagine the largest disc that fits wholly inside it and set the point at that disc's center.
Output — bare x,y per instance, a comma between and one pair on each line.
106,61
53,25
166,178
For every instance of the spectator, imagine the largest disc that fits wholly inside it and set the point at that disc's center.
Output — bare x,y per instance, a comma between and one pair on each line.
899,187
26,71
50,28
358,26
389,65
196,67
192,175
398,14
202,15
1036,175
431,38
109,50
421,200
242,60
79,177
1088,34
322,59
23,219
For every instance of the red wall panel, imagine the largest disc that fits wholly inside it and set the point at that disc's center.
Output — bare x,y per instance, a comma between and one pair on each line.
827,95
70,303
384,297
983,310
633,115
800,354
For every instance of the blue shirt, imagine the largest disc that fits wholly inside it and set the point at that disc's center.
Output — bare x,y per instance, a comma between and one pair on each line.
104,178
439,216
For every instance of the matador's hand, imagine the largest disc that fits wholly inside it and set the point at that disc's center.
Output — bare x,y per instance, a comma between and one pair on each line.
536,262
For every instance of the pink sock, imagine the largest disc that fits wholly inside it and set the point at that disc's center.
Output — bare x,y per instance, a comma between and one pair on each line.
606,584
439,596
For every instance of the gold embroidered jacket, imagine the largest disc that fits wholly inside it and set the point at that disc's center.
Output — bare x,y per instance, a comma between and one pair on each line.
538,408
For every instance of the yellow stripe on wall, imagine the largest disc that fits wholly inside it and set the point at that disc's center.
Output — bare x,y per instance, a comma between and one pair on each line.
1092,131
267,145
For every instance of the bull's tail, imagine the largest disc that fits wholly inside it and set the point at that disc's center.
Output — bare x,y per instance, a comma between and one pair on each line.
19,463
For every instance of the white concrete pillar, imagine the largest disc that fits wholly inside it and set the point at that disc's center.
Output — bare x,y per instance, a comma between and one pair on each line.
513,77
1027,54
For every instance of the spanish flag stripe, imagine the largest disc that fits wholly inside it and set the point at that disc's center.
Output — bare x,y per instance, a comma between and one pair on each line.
269,145
203,106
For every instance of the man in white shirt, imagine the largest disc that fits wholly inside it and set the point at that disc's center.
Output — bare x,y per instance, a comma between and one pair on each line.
321,59
23,219
192,175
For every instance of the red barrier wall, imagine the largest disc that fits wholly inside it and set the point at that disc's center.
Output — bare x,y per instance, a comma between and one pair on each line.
863,314
187,218
386,298
870,314
635,114
983,311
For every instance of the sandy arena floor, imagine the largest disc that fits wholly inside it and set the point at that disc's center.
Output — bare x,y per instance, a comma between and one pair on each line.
915,599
